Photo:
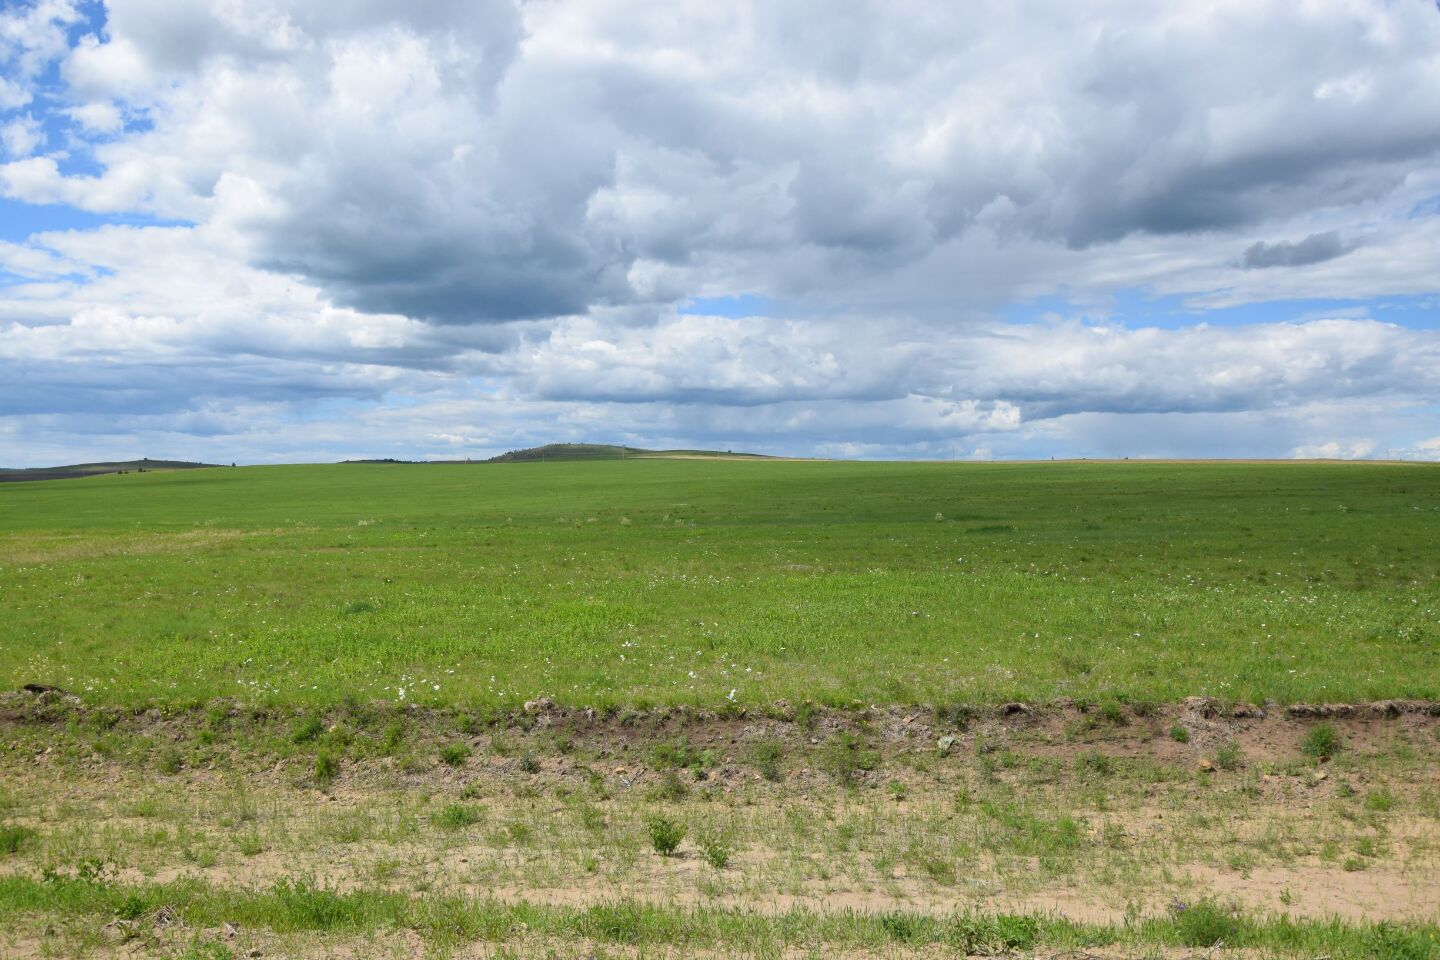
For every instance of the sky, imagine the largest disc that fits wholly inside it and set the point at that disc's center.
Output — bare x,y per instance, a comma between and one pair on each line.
299,230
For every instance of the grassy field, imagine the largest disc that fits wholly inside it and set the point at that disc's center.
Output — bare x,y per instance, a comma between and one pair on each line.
706,582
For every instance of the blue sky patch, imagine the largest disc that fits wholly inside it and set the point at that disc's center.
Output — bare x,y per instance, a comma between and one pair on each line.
1135,309
737,305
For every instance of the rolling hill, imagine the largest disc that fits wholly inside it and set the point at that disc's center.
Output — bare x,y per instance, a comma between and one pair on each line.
76,470
607,451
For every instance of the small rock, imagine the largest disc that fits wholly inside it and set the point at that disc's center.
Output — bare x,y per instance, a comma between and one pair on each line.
945,744
118,931
1207,765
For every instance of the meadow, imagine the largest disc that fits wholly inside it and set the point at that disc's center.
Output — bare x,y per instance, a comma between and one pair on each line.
850,710
662,582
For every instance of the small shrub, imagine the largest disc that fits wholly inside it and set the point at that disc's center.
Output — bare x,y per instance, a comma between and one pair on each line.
1179,734
806,714
12,838
665,834
327,768
529,763
1096,762
1352,865
1320,743
454,754
1114,714
717,847
1228,756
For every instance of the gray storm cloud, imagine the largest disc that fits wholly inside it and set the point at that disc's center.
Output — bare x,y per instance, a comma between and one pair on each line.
1316,248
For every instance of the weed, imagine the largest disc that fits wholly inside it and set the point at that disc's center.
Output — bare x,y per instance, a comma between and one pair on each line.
207,950
679,753
1228,757
1206,924
847,757
454,754
1379,801
665,834
938,869
1320,743
249,844
458,816
670,788
307,730
766,756
959,715
169,761
1179,734
13,838
591,817
327,768
529,763
392,739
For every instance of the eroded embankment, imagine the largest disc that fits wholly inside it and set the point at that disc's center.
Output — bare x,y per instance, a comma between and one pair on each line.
1091,811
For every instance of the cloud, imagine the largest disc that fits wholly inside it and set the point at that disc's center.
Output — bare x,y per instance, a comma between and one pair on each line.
1335,450
467,225
20,137
485,162
1316,248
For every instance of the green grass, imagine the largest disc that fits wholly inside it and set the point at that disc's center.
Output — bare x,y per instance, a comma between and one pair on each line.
716,582
302,905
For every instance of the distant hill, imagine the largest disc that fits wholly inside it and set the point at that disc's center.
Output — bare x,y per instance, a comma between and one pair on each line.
77,470
607,451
